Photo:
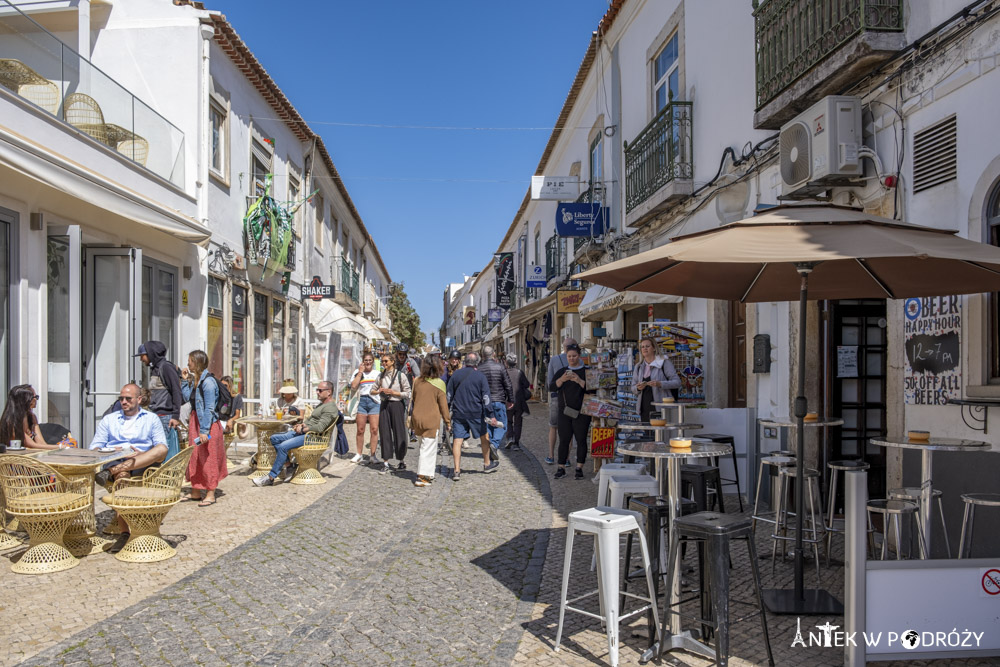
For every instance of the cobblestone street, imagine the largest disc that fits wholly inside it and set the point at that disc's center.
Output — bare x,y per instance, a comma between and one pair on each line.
367,569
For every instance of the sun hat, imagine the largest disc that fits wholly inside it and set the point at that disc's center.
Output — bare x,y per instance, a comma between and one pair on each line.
288,390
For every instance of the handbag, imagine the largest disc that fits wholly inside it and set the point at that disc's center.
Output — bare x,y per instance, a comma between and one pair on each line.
572,413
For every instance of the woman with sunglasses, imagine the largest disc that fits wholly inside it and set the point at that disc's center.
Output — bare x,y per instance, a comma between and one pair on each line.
207,466
18,421
364,382
392,388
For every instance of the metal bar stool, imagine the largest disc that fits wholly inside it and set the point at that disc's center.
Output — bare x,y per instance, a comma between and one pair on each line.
768,517
726,481
912,493
813,514
831,522
716,531
894,509
968,518
702,480
606,524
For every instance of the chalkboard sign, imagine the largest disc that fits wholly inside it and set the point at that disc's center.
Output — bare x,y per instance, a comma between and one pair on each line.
932,329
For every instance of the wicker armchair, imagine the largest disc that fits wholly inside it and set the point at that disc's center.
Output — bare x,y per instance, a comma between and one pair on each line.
45,95
45,502
308,455
7,542
143,502
136,148
84,113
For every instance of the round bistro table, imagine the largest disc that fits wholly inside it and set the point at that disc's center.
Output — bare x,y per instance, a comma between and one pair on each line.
927,449
668,475
266,427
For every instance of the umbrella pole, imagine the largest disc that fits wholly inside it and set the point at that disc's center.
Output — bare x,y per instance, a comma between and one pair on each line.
801,601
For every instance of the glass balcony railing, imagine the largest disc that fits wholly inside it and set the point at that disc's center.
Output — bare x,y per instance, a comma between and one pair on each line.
661,153
793,36
40,68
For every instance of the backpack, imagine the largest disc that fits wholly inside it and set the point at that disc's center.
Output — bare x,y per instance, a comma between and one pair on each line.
224,402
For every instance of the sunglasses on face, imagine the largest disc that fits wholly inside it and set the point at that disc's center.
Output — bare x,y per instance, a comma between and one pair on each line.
124,398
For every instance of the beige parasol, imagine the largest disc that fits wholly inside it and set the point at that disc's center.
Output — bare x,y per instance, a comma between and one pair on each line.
803,251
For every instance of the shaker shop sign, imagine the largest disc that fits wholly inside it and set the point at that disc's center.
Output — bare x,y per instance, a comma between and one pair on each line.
932,332
316,290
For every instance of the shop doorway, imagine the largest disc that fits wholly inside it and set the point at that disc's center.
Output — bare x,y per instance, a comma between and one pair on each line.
856,369
112,328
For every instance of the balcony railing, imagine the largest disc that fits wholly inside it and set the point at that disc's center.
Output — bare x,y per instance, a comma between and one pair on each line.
349,280
661,153
795,35
38,67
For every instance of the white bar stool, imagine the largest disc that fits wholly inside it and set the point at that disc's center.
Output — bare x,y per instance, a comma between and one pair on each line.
623,487
609,469
969,517
607,525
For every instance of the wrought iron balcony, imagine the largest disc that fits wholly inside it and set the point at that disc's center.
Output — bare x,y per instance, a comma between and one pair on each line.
555,257
795,36
347,292
662,153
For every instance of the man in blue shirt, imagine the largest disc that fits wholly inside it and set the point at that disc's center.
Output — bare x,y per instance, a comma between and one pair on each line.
469,400
133,427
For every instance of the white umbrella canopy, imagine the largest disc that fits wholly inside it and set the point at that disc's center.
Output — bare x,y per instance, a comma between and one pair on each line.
855,255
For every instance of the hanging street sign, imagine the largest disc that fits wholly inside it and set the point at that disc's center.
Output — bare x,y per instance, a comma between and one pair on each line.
536,276
555,188
504,284
494,314
583,219
316,290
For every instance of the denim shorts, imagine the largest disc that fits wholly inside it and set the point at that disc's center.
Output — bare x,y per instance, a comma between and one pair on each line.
468,428
368,406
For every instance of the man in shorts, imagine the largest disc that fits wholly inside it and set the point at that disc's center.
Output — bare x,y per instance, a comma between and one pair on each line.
555,363
469,398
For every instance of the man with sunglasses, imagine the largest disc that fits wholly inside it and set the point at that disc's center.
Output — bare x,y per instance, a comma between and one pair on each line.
323,416
133,427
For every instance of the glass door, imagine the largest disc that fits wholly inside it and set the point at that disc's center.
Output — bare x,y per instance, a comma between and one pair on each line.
112,324
64,398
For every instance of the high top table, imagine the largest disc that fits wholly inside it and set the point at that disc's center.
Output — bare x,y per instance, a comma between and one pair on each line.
668,472
927,449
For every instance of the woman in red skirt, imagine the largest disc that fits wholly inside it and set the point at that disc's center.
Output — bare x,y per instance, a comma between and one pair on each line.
208,462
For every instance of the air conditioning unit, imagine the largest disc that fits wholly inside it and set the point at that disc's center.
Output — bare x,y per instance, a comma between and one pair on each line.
819,147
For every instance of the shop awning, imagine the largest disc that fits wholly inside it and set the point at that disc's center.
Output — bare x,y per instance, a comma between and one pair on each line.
601,304
326,316
38,164
532,310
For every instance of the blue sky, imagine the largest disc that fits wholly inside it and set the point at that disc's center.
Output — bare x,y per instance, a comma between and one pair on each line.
436,201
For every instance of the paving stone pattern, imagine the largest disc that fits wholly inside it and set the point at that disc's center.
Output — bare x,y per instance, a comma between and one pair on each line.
375,572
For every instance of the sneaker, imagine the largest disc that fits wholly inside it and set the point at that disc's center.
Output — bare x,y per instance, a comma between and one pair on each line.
492,467
385,469
549,460
413,438
510,443
494,452
423,481
266,480
579,474
567,464
357,458
374,460
560,473
455,476
401,466
515,447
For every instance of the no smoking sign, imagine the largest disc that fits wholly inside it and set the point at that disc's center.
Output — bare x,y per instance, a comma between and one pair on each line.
991,582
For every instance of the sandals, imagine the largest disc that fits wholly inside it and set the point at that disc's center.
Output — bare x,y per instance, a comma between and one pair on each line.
206,503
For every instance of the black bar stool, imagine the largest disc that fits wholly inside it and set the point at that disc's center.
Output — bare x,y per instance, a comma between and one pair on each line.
726,481
699,480
715,531
655,511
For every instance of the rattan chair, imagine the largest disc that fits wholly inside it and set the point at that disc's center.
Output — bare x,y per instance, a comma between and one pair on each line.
308,455
135,148
45,502
84,113
143,502
45,95
7,542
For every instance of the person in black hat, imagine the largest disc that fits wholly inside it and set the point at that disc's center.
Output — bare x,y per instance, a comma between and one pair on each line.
411,369
165,397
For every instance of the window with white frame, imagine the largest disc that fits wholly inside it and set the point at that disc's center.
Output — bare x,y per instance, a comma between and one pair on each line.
218,118
666,74
320,227
261,161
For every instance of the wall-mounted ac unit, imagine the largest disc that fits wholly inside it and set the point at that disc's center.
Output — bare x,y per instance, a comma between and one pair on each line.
819,147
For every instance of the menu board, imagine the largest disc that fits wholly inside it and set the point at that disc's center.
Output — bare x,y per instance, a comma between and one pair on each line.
932,332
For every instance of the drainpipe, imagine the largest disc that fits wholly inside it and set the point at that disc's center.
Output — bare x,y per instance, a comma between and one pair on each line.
207,33
83,28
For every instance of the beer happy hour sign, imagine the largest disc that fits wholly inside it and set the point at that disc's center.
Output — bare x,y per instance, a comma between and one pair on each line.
932,331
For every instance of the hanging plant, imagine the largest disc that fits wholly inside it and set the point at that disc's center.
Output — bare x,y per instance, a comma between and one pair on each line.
267,229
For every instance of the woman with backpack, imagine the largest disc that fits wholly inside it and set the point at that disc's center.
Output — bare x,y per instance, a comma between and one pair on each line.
208,462
392,388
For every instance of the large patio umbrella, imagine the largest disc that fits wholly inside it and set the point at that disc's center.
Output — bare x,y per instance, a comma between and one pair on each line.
803,251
